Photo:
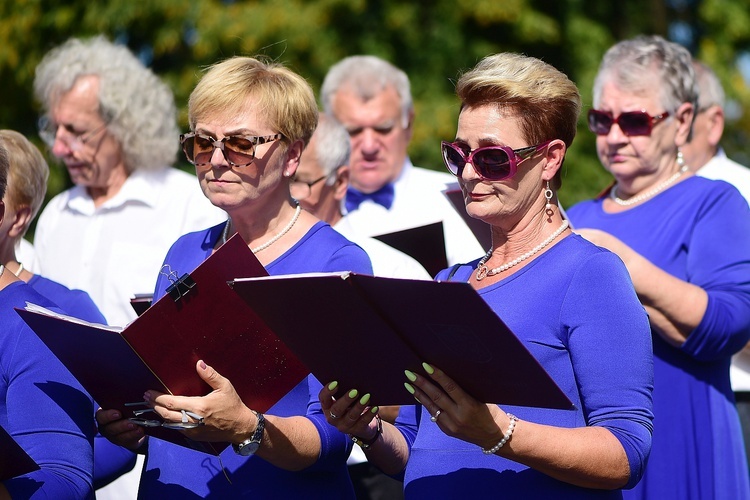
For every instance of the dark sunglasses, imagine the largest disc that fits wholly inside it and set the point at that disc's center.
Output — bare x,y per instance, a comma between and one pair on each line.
491,163
238,150
631,122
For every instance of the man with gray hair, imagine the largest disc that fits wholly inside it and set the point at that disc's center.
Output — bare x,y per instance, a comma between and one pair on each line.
113,124
320,185
705,156
372,99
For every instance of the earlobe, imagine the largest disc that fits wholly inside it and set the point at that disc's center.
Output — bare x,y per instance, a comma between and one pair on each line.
684,117
555,156
293,155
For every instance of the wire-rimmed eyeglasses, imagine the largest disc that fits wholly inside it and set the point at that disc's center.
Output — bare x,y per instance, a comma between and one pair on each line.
49,131
301,189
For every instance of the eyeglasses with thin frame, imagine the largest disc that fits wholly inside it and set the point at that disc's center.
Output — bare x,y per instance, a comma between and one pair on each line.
301,190
632,123
49,131
238,150
491,163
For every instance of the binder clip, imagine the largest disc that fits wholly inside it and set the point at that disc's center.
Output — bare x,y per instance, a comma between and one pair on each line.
180,286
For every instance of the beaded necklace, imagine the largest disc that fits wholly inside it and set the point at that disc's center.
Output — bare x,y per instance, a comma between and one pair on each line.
647,194
483,271
287,228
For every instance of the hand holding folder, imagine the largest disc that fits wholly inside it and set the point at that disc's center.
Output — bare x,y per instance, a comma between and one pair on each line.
364,331
201,318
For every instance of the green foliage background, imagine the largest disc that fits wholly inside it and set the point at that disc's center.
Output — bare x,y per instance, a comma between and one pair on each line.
432,40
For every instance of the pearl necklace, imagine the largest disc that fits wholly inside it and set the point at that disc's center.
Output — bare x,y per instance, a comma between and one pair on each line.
2,270
648,194
20,269
483,271
225,234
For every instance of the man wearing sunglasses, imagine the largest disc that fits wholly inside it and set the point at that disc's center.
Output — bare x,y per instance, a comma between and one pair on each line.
705,156
112,123
372,99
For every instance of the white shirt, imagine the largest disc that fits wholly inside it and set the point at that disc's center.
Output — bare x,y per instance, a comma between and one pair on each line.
722,168
418,200
116,250
26,255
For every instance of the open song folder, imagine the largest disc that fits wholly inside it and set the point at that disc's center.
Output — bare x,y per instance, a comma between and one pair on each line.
364,331
199,318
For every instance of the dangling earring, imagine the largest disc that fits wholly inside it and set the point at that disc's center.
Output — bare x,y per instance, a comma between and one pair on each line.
548,208
548,194
680,159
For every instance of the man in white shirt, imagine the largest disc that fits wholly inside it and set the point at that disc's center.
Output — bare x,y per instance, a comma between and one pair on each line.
372,99
320,186
112,122
704,156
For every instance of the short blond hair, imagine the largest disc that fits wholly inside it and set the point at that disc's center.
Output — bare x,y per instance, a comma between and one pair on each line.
281,96
27,172
544,99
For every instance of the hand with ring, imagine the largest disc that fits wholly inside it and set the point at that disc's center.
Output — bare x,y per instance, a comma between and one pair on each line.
456,413
219,416
350,413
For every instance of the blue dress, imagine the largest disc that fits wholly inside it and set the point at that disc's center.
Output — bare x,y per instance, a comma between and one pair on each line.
43,407
575,309
172,471
699,231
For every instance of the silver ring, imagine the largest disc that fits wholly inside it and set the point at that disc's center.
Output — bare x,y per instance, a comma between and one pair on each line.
332,415
435,416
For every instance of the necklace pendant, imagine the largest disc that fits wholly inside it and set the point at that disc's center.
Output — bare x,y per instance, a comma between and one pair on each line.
482,272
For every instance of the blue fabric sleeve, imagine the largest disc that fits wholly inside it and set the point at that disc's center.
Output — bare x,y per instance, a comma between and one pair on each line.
334,445
110,461
719,262
610,347
350,258
49,415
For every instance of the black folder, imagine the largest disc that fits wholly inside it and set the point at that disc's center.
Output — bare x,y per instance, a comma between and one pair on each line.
364,331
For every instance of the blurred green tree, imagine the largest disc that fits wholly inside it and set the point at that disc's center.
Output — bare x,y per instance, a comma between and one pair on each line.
432,40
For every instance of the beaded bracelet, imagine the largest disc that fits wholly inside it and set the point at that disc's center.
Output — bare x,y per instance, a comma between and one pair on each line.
365,444
506,436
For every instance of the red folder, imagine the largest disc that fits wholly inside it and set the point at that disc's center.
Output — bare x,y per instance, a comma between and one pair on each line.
364,331
14,461
201,319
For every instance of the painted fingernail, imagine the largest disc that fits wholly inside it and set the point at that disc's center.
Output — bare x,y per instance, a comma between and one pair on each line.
365,399
374,409
353,393
409,388
410,375
146,396
203,365
333,385
428,368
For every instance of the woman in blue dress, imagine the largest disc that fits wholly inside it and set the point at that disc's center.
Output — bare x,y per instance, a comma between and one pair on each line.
686,243
41,405
570,302
250,121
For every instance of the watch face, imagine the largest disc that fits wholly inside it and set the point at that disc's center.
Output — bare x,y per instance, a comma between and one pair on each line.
249,449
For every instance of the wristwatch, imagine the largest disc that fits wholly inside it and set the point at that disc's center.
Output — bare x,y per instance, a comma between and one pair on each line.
249,446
